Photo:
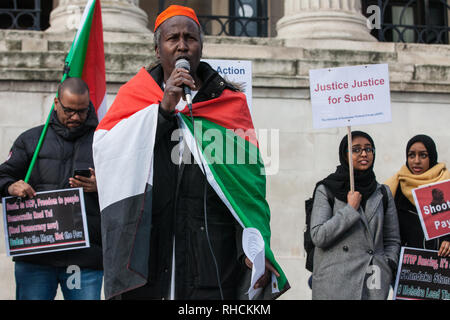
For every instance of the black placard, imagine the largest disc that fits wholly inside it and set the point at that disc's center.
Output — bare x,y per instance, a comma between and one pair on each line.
50,221
422,275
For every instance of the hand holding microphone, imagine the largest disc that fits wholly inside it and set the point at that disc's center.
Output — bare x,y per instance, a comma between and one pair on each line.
184,64
179,83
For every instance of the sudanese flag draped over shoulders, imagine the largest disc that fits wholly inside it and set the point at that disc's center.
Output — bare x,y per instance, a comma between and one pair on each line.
123,155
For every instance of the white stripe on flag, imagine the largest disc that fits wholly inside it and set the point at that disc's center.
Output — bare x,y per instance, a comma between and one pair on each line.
123,157
83,19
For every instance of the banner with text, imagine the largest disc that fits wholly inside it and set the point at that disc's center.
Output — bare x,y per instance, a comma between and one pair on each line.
238,72
349,96
51,221
433,205
422,275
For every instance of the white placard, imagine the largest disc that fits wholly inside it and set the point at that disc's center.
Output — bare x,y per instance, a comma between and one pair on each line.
235,71
349,96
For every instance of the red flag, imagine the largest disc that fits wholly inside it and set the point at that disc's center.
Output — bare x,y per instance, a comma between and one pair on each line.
94,65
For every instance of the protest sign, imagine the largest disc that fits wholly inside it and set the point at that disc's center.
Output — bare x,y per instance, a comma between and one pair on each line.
433,206
50,221
236,71
422,275
349,96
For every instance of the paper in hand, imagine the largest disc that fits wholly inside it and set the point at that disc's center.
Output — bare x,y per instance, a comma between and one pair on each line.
253,245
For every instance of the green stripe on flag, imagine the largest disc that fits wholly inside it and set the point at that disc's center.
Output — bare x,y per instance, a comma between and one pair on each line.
77,54
237,167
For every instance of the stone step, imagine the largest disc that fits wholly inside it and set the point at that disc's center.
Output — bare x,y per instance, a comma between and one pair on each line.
127,64
109,47
18,40
26,55
54,60
52,75
43,45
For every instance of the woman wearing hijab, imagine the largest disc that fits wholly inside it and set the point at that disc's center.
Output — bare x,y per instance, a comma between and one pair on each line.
421,168
357,240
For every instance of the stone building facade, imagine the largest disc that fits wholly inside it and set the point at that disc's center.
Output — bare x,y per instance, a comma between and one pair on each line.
310,34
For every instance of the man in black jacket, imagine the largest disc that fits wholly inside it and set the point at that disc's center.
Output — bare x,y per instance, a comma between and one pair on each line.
191,247
67,146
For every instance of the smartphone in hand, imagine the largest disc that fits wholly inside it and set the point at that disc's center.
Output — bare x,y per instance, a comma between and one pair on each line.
82,172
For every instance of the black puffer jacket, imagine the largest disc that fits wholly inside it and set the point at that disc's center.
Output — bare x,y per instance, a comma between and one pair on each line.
62,151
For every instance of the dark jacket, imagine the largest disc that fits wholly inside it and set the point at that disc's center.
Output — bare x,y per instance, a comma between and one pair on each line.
62,151
178,211
411,232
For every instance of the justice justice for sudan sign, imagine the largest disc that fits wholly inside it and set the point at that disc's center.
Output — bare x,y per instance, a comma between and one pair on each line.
348,96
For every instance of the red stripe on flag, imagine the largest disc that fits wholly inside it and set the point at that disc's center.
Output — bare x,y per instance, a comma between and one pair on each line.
138,93
230,110
94,65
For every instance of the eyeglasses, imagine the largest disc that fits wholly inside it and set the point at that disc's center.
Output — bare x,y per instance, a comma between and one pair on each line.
70,112
359,150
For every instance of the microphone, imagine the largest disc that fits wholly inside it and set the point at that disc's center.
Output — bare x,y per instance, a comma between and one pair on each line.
183,63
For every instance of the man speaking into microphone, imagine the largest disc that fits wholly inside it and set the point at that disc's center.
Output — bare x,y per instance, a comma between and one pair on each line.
169,230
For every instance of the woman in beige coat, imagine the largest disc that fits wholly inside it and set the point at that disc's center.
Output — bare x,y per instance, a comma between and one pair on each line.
357,240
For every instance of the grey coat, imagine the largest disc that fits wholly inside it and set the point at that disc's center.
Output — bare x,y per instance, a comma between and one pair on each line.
356,251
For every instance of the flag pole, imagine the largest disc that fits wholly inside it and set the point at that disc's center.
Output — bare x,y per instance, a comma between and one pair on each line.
350,161
70,62
44,131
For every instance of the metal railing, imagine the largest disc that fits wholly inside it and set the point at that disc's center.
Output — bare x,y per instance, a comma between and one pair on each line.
234,26
237,23
17,16
418,21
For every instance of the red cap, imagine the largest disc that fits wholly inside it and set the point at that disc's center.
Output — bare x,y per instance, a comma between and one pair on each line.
175,10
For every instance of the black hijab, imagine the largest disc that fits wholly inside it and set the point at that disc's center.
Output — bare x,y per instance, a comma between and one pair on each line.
339,181
429,145
411,230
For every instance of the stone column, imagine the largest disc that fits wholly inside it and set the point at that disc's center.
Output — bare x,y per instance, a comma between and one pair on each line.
323,20
117,16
